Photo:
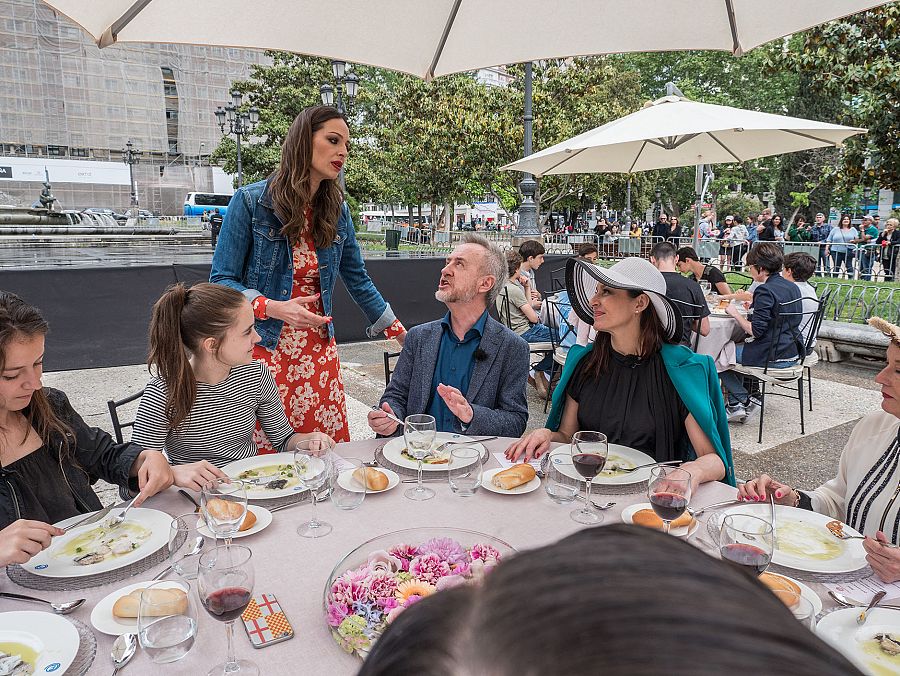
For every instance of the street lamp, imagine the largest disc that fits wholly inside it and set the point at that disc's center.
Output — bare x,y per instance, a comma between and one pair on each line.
527,227
238,123
867,193
130,156
658,203
346,86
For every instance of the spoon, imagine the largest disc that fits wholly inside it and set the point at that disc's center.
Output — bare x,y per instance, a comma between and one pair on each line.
861,618
58,608
842,600
123,650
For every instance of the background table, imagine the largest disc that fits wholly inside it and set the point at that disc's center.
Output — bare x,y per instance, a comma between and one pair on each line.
296,569
719,343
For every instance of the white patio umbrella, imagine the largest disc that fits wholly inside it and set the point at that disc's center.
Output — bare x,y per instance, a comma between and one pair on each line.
676,132
429,38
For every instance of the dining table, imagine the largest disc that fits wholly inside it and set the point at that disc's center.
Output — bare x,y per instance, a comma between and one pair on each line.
719,342
296,569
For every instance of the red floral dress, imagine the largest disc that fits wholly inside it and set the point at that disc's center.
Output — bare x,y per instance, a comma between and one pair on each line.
305,361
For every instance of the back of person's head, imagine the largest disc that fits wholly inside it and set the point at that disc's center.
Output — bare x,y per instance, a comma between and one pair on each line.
663,251
23,322
182,319
587,248
493,264
617,600
687,253
531,248
766,256
513,262
801,265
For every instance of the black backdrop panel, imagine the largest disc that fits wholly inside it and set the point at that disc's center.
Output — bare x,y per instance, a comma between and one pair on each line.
99,316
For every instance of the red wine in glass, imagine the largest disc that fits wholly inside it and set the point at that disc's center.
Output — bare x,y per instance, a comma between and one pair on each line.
668,506
588,465
750,558
227,604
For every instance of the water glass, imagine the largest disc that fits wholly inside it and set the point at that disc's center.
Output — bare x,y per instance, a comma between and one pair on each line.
186,544
346,492
801,608
166,631
465,470
313,472
223,503
560,487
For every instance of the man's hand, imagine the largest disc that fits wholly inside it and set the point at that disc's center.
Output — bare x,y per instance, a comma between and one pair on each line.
294,312
154,474
195,475
885,561
380,423
23,539
456,402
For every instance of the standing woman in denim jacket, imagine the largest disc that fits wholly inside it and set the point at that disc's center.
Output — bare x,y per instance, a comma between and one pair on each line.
283,244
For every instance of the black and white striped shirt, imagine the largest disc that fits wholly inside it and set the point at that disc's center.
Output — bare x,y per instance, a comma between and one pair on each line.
221,423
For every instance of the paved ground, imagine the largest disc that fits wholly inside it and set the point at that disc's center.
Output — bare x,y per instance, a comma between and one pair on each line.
842,393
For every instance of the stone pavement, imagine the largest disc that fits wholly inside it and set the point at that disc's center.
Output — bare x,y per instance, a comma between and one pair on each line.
842,394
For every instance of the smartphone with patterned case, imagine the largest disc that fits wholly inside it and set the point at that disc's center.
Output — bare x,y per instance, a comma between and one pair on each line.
266,622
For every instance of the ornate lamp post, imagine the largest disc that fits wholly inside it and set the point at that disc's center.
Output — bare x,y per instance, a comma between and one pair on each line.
238,123
346,85
130,156
867,194
527,227
659,208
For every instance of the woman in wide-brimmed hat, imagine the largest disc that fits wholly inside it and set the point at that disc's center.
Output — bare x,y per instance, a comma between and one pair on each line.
636,384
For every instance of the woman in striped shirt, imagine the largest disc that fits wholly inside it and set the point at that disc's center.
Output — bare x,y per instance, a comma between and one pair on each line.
864,494
208,394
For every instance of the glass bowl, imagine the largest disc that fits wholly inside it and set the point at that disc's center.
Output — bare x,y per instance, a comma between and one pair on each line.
375,582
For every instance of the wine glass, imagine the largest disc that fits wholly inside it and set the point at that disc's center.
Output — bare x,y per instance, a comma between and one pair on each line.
166,627
419,432
313,472
185,544
589,451
705,286
223,503
225,586
669,491
748,542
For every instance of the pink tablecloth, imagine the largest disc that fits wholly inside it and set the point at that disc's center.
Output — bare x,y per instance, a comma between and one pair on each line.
296,569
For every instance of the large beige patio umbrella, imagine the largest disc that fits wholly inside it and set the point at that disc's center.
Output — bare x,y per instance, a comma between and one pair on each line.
429,38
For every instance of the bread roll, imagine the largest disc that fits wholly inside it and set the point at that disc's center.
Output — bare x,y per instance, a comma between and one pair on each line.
223,510
249,520
782,588
371,478
648,519
515,476
164,602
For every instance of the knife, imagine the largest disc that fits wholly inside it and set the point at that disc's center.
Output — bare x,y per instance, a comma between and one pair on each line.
190,497
93,518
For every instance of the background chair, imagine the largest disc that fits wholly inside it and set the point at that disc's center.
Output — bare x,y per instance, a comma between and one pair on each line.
690,312
389,365
118,425
537,350
812,357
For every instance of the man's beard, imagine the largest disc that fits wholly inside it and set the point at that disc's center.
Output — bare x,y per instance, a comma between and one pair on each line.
450,296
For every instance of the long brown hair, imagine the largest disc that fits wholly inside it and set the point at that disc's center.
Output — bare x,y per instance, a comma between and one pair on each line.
652,338
182,319
21,321
289,185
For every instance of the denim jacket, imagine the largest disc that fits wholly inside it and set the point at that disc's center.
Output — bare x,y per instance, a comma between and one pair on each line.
253,257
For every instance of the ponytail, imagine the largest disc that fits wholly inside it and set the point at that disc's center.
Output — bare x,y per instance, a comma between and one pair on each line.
182,319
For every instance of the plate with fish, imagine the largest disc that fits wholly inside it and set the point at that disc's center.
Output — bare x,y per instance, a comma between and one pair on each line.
803,541
619,460
873,647
266,477
34,642
395,452
100,548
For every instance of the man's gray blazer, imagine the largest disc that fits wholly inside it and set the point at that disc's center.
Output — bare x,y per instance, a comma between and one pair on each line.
496,388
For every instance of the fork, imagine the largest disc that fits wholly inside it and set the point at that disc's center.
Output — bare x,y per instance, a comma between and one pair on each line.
440,448
616,468
843,536
374,462
120,518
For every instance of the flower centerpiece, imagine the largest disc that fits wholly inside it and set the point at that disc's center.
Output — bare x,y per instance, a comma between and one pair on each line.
376,582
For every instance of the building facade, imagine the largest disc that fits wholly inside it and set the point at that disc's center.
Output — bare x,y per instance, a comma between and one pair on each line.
70,107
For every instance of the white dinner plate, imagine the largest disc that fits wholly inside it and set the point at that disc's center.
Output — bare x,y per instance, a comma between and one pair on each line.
684,531
805,592
858,643
629,457
489,474
102,615
804,543
54,562
348,483
716,312
394,448
53,639
263,519
270,461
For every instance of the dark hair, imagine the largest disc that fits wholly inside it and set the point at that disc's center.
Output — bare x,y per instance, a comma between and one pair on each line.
531,248
289,186
801,265
800,219
849,219
662,251
687,253
20,321
182,318
513,261
587,248
617,599
780,220
766,256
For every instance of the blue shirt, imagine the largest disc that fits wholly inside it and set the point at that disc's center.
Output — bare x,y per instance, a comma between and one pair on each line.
456,359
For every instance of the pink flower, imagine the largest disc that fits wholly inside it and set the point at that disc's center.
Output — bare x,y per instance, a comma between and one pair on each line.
484,553
382,586
463,569
351,586
429,568
391,616
336,613
405,553
447,549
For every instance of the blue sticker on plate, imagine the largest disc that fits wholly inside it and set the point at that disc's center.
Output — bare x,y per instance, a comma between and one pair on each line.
52,667
41,567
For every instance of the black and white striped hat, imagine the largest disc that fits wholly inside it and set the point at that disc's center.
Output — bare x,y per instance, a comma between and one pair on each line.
634,273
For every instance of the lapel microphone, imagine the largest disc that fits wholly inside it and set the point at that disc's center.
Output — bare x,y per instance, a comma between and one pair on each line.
480,355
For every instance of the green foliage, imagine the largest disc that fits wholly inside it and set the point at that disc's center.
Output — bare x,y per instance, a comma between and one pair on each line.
738,205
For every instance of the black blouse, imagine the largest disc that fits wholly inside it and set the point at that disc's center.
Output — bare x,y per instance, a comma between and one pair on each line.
634,404
42,488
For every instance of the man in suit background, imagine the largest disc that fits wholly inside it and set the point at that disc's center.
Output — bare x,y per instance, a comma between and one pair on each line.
466,369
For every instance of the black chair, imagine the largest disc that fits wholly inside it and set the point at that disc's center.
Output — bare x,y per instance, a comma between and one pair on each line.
812,357
557,320
118,425
692,313
389,366
537,350
743,281
558,279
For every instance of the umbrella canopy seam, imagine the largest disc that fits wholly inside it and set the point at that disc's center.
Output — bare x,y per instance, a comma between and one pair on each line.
725,148
443,41
563,160
111,34
637,157
810,136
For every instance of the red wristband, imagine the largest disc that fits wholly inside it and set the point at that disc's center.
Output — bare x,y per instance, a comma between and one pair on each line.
260,306
394,330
